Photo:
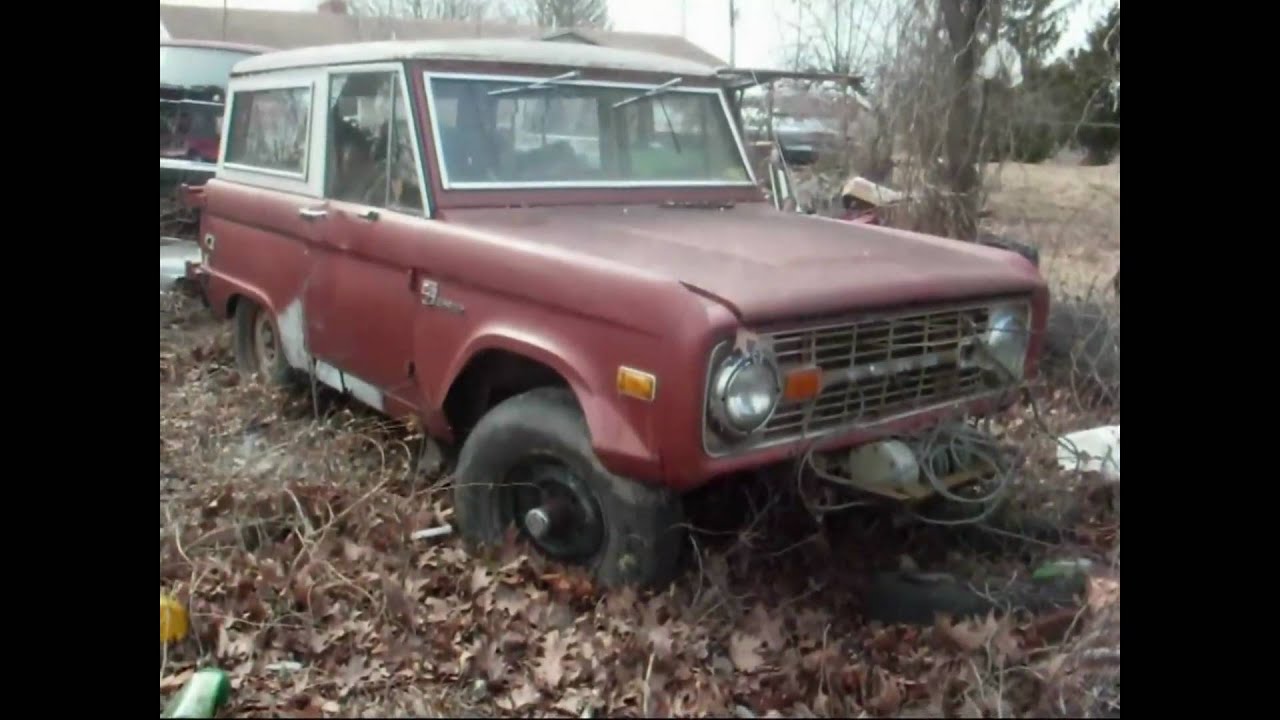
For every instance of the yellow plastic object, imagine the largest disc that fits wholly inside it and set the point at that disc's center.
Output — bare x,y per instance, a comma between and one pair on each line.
173,619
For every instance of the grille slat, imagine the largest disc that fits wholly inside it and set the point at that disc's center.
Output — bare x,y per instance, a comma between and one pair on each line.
879,367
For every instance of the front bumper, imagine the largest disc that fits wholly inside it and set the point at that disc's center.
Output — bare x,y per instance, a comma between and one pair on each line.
696,468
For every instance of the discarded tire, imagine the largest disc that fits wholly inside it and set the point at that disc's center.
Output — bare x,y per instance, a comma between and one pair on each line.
918,598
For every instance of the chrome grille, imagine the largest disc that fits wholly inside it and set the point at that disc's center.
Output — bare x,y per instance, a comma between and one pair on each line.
880,367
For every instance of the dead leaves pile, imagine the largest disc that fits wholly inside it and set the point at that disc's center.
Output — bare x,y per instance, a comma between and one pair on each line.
288,540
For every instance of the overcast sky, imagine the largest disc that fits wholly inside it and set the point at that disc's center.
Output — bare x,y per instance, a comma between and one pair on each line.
706,22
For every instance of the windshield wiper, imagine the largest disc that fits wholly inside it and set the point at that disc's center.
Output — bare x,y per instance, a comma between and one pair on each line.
537,84
650,92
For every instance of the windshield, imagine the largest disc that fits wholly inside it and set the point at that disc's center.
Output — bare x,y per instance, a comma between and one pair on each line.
197,67
581,135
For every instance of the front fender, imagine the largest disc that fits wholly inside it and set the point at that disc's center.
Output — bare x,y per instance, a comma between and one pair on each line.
621,445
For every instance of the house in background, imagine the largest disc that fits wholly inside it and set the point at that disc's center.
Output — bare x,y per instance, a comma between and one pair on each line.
331,24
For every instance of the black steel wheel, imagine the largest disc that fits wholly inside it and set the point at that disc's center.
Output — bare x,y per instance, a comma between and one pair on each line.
554,508
529,463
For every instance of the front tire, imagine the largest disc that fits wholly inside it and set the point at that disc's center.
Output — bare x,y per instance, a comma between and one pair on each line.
534,450
259,349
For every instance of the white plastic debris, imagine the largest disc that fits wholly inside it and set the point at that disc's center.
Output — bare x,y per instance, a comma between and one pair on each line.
434,532
1093,450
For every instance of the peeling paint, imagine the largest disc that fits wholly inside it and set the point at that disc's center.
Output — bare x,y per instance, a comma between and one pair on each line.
347,383
363,391
293,336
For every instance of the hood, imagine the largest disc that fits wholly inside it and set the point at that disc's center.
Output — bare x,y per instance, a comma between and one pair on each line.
764,264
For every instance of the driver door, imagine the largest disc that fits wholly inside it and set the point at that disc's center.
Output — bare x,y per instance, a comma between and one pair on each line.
360,301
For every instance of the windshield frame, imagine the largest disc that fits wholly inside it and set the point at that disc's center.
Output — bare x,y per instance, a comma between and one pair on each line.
447,185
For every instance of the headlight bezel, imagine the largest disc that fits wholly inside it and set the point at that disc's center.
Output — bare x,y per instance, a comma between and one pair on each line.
1007,339
725,373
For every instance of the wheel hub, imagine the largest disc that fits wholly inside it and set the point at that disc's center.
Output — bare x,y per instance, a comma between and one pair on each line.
557,512
265,341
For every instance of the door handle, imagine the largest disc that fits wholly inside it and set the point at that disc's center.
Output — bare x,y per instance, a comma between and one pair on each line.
312,213
369,214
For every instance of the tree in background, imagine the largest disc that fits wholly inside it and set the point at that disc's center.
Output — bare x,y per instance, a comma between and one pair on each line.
1024,123
568,13
1073,100
461,10
1095,86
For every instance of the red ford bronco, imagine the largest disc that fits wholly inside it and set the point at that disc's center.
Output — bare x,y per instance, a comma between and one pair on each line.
558,257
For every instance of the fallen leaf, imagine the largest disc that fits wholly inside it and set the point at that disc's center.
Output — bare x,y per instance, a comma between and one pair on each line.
968,636
1050,627
1008,645
437,610
173,682
768,627
524,695
660,640
510,601
888,698
742,652
480,580
331,707
1103,592
492,662
550,668
397,601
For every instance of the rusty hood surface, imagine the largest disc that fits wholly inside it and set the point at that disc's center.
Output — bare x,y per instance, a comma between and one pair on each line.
764,264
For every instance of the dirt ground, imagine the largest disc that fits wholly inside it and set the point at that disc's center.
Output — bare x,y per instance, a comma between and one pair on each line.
285,523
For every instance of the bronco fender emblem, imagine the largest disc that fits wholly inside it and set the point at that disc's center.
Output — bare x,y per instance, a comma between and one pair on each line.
430,294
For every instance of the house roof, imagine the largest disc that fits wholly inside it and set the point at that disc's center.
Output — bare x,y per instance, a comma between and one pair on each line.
287,30
524,52
214,45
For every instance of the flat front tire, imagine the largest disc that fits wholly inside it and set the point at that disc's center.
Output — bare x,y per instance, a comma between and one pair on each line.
259,349
529,463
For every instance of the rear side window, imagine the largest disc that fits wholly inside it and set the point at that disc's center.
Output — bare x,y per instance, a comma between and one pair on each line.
269,129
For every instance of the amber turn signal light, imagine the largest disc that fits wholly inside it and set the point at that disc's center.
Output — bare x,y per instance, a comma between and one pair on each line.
637,383
802,384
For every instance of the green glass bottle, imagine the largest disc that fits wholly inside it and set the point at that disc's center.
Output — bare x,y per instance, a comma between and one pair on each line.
206,691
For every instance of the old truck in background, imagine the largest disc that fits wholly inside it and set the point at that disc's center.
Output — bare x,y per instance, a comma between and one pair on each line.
193,89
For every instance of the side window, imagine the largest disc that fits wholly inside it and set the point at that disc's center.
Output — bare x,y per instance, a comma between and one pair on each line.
270,128
370,152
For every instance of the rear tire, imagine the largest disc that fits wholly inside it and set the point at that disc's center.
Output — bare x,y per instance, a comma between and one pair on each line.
259,349
626,533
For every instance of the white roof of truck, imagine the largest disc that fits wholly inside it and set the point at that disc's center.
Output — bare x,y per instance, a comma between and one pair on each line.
524,52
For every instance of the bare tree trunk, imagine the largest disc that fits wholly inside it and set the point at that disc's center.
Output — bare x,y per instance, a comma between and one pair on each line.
961,17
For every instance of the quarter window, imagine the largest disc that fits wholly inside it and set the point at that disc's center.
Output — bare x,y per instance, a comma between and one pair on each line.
370,154
269,129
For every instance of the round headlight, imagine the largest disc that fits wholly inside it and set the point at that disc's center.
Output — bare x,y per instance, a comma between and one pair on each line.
745,392
1008,336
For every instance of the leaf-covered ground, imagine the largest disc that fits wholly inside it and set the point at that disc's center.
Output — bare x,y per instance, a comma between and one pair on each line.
288,537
